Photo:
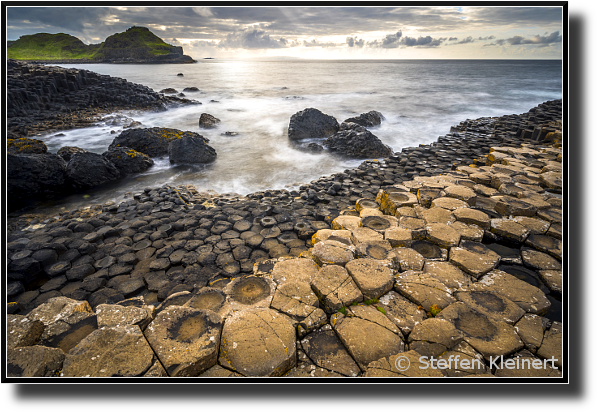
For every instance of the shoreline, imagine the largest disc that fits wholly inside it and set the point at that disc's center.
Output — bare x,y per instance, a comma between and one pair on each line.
463,236
138,274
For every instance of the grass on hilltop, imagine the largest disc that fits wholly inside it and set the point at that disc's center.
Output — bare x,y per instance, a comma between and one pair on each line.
46,46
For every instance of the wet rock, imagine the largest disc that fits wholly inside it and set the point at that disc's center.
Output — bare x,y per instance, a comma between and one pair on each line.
208,121
127,160
119,351
311,123
86,170
185,339
368,119
355,141
34,174
153,142
191,149
258,342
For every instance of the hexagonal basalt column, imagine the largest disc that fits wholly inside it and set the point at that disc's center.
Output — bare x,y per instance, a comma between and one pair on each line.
185,339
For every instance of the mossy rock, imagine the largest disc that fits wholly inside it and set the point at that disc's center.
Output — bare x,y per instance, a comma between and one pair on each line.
25,146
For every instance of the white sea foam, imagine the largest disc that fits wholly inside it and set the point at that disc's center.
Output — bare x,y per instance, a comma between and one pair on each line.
420,101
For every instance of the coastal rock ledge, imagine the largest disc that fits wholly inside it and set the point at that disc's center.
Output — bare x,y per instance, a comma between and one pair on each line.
420,254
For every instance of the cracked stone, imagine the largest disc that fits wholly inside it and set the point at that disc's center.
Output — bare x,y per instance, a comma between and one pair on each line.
432,337
373,278
424,290
403,313
326,350
473,258
335,288
258,342
381,341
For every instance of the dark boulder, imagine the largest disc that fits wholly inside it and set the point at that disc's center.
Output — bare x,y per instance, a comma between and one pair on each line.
168,90
67,152
88,169
191,149
315,148
191,89
153,142
25,146
311,123
34,174
355,141
369,119
127,160
208,121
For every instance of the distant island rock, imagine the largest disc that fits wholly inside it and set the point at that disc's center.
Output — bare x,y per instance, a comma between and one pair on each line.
135,45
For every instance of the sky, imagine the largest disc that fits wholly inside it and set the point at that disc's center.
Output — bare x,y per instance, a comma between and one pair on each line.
422,32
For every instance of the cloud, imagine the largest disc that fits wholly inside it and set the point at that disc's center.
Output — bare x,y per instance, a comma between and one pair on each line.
554,37
468,39
354,41
535,40
397,40
316,43
425,41
203,11
252,39
486,38
453,39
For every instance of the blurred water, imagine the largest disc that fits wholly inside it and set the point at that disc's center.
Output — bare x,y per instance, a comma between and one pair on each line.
420,99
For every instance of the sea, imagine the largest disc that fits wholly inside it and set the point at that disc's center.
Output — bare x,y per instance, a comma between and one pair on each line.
419,99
